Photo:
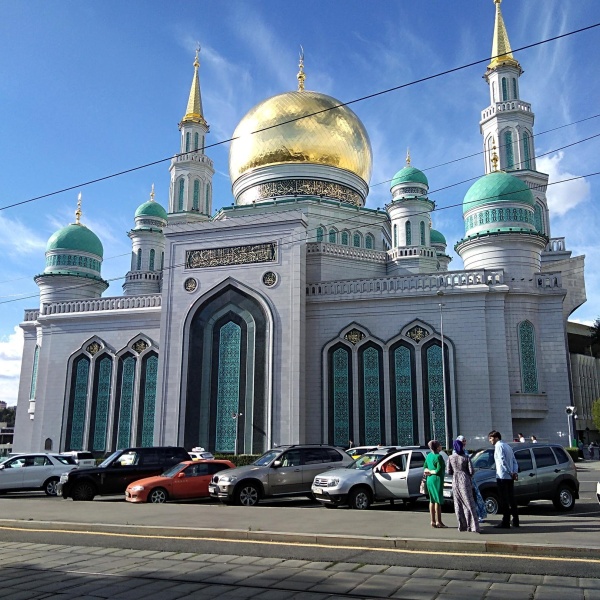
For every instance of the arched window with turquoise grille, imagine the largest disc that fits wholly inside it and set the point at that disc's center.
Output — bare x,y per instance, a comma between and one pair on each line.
332,236
139,260
514,82
162,261
340,425
408,233
369,241
187,141
504,89
180,197
404,413
526,152
101,402
395,236
422,232
538,220
34,373
508,148
529,377
436,412
320,234
126,400
208,190
356,240
196,197
78,404
371,398
148,400
196,141
151,262
345,238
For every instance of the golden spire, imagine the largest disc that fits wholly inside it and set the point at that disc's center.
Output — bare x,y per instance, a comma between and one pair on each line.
78,212
501,50
495,158
301,76
152,194
193,113
408,157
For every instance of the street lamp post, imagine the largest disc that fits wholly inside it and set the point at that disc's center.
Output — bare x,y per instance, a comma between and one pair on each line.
235,416
446,429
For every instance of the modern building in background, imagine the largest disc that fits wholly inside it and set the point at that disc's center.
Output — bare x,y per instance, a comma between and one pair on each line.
299,315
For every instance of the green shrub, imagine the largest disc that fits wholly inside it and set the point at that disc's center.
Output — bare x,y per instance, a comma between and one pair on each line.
239,460
574,453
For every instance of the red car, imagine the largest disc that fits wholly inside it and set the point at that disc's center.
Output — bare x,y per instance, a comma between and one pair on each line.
188,479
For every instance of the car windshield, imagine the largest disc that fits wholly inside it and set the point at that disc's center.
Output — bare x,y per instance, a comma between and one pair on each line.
367,461
173,470
108,460
266,458
484,460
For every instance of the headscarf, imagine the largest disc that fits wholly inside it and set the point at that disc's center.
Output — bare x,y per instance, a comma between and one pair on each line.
458,447
433,444
461,438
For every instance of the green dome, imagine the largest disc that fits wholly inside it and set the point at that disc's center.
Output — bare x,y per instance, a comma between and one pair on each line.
436,237
76,237
151,209
497,187
409,175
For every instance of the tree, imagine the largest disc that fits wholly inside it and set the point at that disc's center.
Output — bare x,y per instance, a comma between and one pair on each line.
596,413
595,331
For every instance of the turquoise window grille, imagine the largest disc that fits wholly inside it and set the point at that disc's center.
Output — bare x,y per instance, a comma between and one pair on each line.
196,141
504,89
529,377
34,373
422,232
332,236
149,400
139,259
345,238
320,234
126,402
151,263
435,384
395,236
508,145
514,82
537,218
369,241
187,142
180,199
162,261
372,396
356,240
404,396
228,386
104,366
208,199
196,200
408,233
341,380
526,152
79,407
500,214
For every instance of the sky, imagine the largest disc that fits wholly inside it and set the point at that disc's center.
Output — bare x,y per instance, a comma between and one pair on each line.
89,89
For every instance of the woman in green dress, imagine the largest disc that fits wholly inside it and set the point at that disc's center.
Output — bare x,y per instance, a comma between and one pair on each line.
435,468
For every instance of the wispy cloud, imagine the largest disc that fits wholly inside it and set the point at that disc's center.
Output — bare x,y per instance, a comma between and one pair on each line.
11,350
18,239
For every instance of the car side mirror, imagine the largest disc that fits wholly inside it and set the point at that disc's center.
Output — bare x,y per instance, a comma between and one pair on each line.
276,464
180,475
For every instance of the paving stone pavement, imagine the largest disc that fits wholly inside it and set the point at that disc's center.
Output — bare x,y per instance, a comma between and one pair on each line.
46,571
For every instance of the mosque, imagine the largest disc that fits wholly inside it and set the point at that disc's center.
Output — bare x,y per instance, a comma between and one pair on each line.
298,315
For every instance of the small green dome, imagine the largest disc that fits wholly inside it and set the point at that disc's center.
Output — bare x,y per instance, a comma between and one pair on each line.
409,175
151,209
497,187
76,237
436,237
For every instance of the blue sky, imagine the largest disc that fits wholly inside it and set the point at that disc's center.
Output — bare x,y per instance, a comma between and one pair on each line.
92,88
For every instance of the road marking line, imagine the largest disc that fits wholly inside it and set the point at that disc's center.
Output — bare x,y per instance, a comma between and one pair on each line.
306,545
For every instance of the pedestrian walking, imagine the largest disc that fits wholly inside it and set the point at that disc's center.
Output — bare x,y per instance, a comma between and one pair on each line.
479,502
592,449
435,469
462,471
521,438
533,439
506,475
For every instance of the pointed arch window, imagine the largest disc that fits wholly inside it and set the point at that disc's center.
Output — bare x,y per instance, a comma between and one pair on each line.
208,198
196,141
538,220
187,141
152,255
514,82
404,415
320,234
504,89
162,261
422,232
101,402
180,198
79,400
408,233
332,236
529,377
356,240
437,414
508,145
345,238
340,395
526,151
139,259
369,241
34,373
395,236
372,424
196,201
126,397
148,400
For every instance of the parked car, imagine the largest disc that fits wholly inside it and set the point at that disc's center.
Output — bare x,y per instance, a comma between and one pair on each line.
22,472
200,453
546,472
283,471
121,468
360,450
188,479
82,458
375,476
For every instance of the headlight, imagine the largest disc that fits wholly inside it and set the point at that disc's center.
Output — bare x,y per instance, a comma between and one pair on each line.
333,482
227,478
137,488
64,477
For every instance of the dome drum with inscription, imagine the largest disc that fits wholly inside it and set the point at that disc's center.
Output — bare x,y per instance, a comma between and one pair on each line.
305,145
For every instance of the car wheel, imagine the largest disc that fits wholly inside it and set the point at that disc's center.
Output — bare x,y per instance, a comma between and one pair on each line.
564,498
247,494
158,496
359,499
83,491
50,486
492,504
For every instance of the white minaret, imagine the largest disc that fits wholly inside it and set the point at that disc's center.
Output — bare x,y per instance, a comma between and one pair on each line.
507,123
190,194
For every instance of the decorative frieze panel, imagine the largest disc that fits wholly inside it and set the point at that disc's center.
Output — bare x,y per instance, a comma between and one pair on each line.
417,334
354,336
232,255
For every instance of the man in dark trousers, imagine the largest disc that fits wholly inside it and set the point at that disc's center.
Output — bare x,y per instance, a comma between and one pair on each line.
506,475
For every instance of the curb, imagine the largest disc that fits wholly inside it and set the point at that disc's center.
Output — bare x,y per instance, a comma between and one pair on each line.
336,540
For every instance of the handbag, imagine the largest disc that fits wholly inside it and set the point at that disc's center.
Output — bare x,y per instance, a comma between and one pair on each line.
423,486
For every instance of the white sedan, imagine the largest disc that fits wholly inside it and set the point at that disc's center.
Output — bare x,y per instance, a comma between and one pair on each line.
33,472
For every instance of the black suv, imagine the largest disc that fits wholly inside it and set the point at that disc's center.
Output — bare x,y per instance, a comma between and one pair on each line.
116,472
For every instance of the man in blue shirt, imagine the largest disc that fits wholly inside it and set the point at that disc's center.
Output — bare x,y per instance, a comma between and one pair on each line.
506,475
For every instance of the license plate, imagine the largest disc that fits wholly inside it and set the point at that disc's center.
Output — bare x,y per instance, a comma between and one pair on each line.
317,490
447,493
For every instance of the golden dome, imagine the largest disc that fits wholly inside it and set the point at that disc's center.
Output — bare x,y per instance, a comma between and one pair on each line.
334,138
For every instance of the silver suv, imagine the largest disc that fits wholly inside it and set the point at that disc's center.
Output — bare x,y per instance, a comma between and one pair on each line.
546,472
283,471
374,476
